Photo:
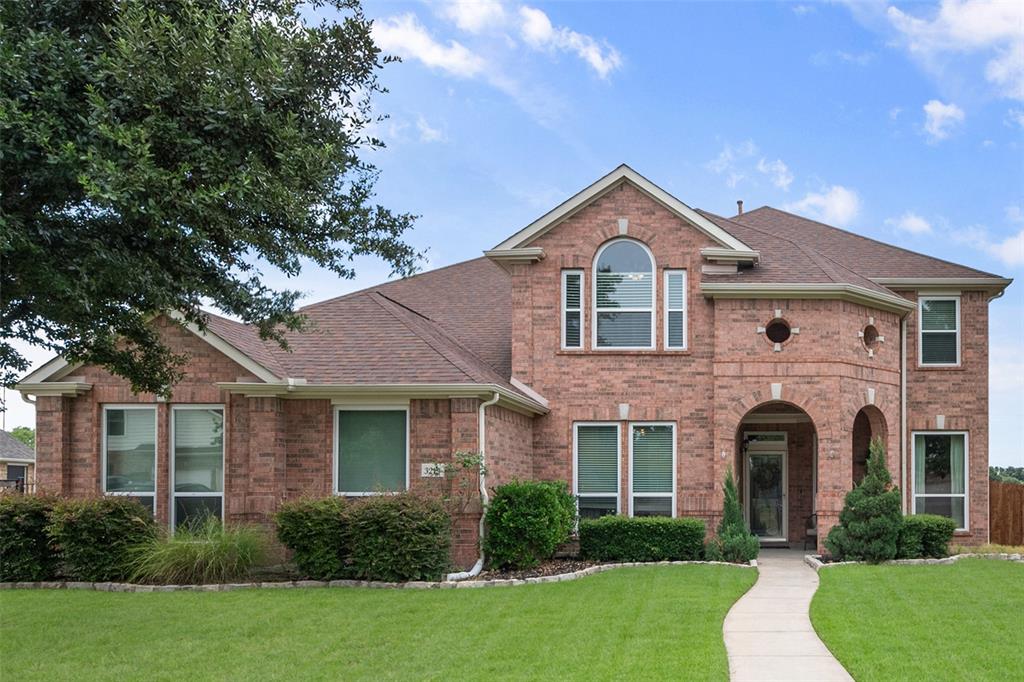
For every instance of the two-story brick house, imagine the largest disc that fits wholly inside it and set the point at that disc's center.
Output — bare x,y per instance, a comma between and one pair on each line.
624,343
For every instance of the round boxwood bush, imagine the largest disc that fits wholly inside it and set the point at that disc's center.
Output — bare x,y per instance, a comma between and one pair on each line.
925,536
397,537
526,522
25,550
314,529
94,536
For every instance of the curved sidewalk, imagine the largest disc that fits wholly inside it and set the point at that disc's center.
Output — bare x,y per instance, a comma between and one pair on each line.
768,632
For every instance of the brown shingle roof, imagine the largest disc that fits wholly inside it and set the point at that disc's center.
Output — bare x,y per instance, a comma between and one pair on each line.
871,258
12,448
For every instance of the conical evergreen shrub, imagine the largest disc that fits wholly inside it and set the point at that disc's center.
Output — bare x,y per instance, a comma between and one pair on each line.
869,524
733,542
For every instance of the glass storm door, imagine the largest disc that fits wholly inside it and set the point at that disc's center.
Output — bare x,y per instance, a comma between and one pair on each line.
766,499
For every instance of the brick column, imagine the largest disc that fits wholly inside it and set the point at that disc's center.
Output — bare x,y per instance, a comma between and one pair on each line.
835,462
465,435
264,484
53,444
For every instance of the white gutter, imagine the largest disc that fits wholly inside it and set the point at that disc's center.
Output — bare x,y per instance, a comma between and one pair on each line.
482,436
903,415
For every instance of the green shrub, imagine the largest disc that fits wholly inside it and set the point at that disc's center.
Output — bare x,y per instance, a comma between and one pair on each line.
25,550
733,542
925,536
207,553
93,536
314,529
526,522
397,537
650,538
870,522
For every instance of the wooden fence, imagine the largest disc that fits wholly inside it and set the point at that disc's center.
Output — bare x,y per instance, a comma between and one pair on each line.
1006,513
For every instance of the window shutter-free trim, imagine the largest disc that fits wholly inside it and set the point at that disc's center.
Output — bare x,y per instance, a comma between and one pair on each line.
597,459
652,458
372,450
624,295
675,309
572,309
939,330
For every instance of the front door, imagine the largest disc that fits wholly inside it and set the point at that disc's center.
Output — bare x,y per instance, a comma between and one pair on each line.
765,488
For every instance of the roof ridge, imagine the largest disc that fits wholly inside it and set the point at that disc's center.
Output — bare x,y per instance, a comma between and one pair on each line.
865,238
374,287
450,357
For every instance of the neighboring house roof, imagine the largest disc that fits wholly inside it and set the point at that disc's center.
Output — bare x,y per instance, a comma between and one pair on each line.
13,449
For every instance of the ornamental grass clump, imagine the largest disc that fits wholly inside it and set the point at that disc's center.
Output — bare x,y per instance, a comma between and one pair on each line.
870,522
208,552
733,542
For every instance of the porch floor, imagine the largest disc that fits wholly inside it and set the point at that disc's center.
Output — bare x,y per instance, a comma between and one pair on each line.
768,632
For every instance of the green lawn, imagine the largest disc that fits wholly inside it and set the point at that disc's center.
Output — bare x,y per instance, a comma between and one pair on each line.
649,622
957,622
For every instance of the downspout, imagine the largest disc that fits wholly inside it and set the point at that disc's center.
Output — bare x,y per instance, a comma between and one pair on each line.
903,415
484,499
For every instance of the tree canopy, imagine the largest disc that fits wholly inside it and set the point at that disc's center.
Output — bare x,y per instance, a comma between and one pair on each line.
155,155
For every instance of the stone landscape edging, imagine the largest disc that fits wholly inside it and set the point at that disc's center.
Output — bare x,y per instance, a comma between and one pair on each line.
287,584
817,564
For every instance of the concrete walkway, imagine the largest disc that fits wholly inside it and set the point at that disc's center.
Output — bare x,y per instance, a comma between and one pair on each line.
768,632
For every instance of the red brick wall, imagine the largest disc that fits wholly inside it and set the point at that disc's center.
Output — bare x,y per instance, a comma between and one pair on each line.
727,370
509,446
960,394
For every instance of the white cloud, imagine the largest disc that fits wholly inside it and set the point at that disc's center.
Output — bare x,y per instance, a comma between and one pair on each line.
836,204
474,16
406,37
894,113
968,26
538,32
910,222
1008,250
427,133
1015,117
940,119
801,10
727,158
854,58
778,171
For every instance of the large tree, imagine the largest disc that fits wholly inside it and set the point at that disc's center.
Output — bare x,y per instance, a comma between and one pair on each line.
155,154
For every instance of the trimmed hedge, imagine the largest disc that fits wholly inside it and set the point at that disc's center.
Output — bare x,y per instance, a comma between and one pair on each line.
925,536
388,537
398,537
651,538
25,550
94,536
314,529
526,522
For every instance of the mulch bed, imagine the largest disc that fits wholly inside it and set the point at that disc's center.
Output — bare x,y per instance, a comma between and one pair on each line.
551,567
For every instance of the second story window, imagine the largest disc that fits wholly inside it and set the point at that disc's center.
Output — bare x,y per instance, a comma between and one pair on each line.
624,296
572,309
939,330
675,309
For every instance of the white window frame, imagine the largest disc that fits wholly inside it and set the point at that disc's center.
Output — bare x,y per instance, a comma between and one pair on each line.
336,418
672,494
156,442
967,474
652,310
921,300
618,464
684,309
172,510
566,309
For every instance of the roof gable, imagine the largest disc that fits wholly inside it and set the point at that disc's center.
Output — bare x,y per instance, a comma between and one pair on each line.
524,237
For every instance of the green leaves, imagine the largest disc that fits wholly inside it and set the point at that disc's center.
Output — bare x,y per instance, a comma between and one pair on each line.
156,155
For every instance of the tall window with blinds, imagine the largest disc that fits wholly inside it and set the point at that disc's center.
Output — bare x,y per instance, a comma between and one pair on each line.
572,309
624,296
129,453
939,320
652,469
597,469
197,464
940,475
675,309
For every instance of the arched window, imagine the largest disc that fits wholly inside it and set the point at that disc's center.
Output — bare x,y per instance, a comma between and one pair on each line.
624,296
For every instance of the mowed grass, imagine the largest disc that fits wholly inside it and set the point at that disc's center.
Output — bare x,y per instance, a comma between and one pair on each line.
646,622
963,621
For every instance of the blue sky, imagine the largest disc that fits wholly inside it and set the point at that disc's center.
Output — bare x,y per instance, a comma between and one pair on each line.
904,123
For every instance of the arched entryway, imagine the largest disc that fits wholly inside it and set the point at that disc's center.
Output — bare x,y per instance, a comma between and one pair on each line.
776,470
867,425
